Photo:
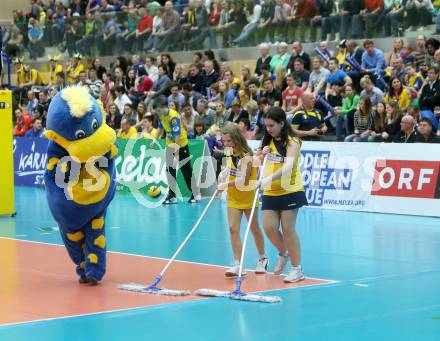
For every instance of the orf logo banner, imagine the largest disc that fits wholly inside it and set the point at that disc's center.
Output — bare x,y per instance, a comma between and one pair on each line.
406,178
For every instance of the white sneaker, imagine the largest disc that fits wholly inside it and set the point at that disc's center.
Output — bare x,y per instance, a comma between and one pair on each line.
281,264
261,267
421,28
234,270
295,275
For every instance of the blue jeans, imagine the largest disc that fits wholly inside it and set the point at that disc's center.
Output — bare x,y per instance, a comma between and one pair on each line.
341,127
244,35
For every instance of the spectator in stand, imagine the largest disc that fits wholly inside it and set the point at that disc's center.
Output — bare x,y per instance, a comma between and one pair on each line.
230,21
121,98
32,101
155,29
209,77
317,77
37,130
426,132
373,60
370,16
397,69
321,18
191,96
282,58
300,74
178,75
408,132
280,20
378,123
23,122
113,118
291,96
126,131
176,96
398,51
151,69
264,59
420,52
148,130
253,14
189,117
128,36
236,112
362,121
272,94
202,30
298,52
160,87
35,35
308,123
100,70
87,41
169,28
394,14
392,123
376,95
109,37
206,114
398,93
195,77
244,125
421,13
346,113
336,75
430,95
301,17
266,26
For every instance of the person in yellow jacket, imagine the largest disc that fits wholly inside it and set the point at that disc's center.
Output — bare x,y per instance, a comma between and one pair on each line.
177,151
283,190
74,68
398,93
126,131
239,179
26,76
54,68
148,131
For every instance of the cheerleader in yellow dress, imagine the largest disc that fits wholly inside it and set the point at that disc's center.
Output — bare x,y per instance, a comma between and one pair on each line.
239,179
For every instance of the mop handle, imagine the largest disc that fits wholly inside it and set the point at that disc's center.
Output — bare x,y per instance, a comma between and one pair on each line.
189,234
254,204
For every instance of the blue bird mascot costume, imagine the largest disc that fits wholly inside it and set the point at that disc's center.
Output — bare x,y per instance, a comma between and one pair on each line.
80,177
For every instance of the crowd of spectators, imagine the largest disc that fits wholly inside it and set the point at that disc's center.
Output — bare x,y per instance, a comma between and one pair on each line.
356,93
104,27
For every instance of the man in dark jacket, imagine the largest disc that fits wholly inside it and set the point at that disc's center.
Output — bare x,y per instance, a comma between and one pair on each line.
426,132
408,133
195,77
430,96
209,77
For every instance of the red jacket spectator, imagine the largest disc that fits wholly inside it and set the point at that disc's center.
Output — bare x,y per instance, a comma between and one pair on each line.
371,5
23,124
145,84
307,9
145,23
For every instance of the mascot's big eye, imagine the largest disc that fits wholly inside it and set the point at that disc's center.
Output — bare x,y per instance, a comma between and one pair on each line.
80,134
95,124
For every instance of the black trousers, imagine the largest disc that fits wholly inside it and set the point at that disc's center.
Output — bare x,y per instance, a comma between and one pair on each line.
185,165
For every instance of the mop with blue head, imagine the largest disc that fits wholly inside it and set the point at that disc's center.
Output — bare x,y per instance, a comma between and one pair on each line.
238,294
153,287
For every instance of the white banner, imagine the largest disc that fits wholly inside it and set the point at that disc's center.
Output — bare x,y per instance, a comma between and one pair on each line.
372,177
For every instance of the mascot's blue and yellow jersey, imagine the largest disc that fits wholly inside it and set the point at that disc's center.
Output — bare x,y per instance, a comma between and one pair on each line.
291,181
173,126
240,198
79,188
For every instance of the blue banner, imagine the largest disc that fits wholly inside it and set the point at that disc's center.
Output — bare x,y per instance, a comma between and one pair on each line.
30,160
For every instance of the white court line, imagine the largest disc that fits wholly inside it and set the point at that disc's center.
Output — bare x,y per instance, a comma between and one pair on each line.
360,285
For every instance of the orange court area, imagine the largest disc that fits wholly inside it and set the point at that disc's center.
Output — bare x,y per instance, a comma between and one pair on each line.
38,282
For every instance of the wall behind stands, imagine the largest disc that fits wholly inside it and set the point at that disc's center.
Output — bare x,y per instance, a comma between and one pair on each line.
7,6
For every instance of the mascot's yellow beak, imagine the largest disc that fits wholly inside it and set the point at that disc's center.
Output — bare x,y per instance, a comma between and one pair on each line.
96,145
